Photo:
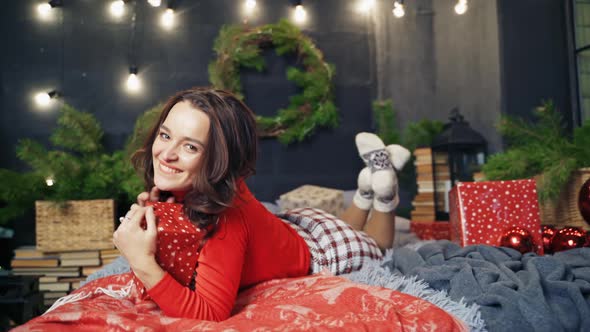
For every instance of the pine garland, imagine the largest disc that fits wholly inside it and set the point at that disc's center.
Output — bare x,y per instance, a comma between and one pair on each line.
542,148
240,47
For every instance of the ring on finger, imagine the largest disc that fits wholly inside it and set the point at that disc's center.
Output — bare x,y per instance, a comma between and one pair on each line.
122,219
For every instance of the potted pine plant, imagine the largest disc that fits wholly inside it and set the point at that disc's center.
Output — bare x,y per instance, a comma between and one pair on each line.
74,185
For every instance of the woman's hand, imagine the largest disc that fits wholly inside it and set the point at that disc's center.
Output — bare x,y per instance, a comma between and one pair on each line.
152,196
138,245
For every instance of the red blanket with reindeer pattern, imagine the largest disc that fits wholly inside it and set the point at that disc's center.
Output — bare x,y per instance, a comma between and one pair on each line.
315,302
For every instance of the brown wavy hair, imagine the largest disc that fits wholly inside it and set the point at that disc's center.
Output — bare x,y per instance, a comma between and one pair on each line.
230,154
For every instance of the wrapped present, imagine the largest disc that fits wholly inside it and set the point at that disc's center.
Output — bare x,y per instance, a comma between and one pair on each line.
329,200
481,212
431,230
178,241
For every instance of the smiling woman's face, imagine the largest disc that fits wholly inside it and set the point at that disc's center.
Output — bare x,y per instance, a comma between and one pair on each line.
179,147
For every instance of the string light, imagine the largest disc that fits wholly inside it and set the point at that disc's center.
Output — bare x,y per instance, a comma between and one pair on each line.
155,3
43,99
249,6
299,15
49,181
133,82
398,9
461,7
167,20
45,9
365,6
117,8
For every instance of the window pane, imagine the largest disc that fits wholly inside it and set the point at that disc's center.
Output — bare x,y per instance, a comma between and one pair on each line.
584,83
582,22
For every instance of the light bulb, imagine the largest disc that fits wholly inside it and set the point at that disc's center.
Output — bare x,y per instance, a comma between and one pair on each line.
117,8
250,5
44,9
155,3
300,14
398,10
168,18
50,182
366,6
133,83
42,99
461,7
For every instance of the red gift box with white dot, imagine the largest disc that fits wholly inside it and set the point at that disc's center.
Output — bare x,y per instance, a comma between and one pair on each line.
177,244
481,212
178,241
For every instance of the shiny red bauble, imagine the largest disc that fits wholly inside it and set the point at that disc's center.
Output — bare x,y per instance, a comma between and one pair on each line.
584,201
568,238
517,238
548,232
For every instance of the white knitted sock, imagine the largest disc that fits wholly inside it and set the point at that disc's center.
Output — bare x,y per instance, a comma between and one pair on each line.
363,197
383,179
385,184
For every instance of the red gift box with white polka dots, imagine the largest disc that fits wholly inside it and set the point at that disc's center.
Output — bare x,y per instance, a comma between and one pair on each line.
480,212
178,241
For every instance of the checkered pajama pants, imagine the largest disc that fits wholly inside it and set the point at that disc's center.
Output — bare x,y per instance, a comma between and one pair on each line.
333,244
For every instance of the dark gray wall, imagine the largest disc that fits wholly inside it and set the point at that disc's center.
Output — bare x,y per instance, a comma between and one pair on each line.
433,60
533,35
88,57
502,56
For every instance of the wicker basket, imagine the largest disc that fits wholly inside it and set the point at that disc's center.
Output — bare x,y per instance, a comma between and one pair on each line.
77,225
564,211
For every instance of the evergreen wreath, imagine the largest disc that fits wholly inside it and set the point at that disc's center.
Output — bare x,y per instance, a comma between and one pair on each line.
240,46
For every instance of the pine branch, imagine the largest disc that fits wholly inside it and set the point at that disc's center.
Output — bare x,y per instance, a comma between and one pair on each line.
421,133
540,149
77,131
385,118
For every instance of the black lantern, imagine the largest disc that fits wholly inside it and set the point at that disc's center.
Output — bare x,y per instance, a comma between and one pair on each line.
457,153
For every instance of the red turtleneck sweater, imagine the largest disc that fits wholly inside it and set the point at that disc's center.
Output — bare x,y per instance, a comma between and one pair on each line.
251,245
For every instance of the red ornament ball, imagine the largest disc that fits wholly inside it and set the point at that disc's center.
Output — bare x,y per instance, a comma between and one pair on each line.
547,235
587,244
568,238
584,201
517,238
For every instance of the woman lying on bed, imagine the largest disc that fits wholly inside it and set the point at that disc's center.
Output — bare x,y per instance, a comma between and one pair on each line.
194,163
199,153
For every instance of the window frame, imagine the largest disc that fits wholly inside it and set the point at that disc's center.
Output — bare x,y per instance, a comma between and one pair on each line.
577,104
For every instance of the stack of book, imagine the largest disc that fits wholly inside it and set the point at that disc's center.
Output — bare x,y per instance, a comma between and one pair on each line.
424,201
433,178
442,180
61,272
107,256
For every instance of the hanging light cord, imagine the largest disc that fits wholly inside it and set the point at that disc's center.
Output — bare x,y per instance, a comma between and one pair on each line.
132,53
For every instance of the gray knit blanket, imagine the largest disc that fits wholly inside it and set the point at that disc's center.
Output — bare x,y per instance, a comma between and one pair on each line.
514,292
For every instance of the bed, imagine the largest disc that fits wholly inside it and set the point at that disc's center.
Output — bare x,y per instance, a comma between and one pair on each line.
417,286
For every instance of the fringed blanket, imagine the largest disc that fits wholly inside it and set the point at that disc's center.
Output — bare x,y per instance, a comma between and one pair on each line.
514,292
317,302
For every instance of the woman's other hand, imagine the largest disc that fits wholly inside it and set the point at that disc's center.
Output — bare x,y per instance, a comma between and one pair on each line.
152,196
138,245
